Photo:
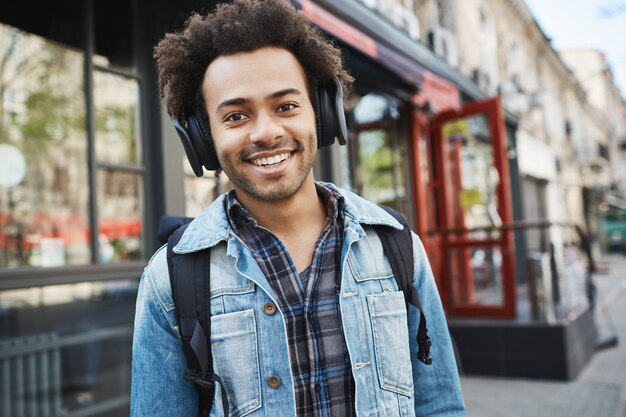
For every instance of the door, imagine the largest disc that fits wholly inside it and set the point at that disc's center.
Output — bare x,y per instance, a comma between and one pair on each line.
473,194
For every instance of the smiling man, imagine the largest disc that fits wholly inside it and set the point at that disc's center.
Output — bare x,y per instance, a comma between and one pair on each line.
306,317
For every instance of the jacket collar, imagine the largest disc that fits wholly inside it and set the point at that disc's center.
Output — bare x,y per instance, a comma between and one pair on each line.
212,226
364,211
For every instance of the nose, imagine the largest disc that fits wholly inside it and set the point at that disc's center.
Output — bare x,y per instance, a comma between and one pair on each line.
267,129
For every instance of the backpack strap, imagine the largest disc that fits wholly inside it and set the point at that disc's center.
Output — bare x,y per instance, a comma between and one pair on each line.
189,281
398,247
168,225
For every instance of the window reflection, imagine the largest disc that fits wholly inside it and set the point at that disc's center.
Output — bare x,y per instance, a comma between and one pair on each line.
43,218
66,348
476,276
381,152
120,206
120,174
117,129
473,175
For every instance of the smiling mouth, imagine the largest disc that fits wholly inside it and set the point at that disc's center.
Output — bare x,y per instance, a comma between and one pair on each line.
270,161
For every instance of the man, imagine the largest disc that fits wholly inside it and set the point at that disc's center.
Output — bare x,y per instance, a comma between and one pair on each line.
306,318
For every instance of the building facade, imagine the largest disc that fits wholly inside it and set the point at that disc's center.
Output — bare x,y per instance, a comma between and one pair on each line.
460,112
562,142
606,203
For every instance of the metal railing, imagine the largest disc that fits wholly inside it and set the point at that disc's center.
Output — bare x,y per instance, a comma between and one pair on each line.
31,377
31,372
555,272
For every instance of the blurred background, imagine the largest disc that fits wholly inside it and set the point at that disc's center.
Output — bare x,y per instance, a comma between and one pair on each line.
505,150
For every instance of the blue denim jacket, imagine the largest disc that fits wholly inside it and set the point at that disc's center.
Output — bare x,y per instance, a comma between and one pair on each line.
249,345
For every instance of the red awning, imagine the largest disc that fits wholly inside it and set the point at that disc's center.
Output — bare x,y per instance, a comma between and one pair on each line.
441,93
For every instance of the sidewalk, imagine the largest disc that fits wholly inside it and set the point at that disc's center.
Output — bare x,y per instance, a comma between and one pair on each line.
599,391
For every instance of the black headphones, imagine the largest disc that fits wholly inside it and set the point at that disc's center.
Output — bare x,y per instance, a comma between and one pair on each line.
198,143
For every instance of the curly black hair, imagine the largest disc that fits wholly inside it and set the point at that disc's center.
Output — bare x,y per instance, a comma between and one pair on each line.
241,26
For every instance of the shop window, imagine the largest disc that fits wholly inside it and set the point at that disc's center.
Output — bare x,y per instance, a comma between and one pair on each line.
71,163
44,210
379,152
65,349
120,196
117,128
120,173
474,174
54,116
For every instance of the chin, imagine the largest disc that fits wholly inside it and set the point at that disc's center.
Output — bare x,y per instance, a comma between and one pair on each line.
278,192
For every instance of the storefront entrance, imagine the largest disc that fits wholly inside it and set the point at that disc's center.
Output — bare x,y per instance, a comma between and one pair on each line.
464,204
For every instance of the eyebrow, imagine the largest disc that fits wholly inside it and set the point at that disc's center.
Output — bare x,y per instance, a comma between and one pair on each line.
282,93
240,101
232,102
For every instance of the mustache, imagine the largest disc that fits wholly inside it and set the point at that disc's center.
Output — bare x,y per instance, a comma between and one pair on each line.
284,143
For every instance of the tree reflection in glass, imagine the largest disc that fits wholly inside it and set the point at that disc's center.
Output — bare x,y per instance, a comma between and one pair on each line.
44,219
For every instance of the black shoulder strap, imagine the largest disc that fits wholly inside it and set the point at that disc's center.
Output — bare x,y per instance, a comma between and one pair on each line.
169,224
189,281
398,247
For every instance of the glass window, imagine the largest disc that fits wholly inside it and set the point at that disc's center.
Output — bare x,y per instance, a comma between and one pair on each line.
381,166
117,113
120,201
476,276
44,172
44,205
473,175
65,349
120,173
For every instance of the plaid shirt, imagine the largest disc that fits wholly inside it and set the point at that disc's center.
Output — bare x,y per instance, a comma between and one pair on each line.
320,363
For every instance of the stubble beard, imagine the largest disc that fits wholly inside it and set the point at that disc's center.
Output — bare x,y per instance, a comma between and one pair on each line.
281,188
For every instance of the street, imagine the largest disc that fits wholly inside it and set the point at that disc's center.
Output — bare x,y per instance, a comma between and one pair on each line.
599,391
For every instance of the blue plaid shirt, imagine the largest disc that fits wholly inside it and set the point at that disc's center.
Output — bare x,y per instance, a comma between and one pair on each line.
320,363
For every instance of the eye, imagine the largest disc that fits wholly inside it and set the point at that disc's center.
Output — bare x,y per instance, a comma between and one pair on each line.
286,107
235,117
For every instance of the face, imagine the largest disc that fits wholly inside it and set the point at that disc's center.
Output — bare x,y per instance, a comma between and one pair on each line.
262,122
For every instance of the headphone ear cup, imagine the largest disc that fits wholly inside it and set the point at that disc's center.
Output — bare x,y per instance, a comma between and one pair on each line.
203,142
318,118
339,112
197,143
331,121
326,122
188,146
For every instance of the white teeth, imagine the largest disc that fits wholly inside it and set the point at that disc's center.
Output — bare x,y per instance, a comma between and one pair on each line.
272,160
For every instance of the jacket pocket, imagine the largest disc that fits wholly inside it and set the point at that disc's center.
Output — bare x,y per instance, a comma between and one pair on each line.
236,360
391,341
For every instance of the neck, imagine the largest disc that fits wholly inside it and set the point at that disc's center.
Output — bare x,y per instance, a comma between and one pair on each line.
286,217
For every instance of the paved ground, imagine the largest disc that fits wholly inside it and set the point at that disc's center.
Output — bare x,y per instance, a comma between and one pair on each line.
599,391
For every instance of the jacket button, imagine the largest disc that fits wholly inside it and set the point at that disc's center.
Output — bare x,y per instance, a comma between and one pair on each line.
269,308
273,381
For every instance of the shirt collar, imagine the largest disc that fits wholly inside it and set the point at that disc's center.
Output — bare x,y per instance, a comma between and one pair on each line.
240,218
213,226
